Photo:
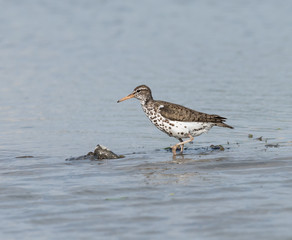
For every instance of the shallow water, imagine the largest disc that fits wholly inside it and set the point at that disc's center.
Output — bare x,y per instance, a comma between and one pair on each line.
65,64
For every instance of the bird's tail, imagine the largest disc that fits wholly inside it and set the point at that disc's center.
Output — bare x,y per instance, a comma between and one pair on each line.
222,124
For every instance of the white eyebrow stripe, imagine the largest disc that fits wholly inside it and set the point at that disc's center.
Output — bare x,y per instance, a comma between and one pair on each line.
141,89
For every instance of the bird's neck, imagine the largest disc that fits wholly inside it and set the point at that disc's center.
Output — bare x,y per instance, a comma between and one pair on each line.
146,102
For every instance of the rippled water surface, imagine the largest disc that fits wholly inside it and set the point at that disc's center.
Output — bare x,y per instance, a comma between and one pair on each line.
63,66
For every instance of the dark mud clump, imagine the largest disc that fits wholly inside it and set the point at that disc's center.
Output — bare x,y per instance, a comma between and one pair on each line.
99,153
25,157
206,149
272,145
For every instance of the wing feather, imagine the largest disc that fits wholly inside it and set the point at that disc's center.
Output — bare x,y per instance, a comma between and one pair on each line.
177,112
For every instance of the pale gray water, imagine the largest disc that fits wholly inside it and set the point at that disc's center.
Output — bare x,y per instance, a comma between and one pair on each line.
63,66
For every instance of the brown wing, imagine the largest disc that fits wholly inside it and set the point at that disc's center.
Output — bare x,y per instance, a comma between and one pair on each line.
177,112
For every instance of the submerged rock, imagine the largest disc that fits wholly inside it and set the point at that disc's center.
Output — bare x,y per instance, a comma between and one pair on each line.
217,147
99,153
102,152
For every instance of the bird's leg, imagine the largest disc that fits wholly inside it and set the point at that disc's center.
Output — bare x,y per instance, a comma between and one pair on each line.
181,144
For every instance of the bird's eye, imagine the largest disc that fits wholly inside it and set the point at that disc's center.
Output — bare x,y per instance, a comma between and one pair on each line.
138,90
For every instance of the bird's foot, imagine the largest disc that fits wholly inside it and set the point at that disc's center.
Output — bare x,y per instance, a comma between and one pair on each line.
174,149
181,148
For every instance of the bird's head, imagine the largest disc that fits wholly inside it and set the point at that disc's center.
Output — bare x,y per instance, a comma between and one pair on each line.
142,93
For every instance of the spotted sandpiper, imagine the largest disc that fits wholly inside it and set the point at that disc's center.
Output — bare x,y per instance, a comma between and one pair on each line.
173,119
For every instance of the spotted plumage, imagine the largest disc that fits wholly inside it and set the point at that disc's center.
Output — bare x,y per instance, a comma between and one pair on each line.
173,119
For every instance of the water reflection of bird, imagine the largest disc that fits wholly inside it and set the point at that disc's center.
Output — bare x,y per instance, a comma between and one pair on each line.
173,119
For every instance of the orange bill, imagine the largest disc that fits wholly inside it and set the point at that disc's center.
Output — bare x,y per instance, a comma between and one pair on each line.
127,97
